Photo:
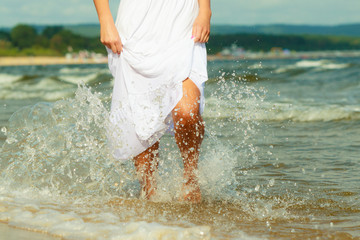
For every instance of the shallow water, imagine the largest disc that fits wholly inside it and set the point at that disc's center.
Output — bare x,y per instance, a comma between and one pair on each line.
280,159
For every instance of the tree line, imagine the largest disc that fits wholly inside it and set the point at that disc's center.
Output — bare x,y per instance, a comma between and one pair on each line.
56,40
265,42
53,40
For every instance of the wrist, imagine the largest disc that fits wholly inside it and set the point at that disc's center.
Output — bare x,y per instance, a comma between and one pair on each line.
106,20
205,12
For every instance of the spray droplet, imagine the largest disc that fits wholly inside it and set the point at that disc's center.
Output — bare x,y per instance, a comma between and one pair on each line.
272,182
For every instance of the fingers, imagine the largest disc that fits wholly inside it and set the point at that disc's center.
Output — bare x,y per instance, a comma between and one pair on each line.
201,34
206,39
109,36
202,37
205,33
119,47
115,46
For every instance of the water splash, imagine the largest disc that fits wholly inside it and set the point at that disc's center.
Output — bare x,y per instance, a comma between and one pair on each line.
61,146
59,150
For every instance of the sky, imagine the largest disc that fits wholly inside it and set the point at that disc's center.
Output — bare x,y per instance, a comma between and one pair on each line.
236,12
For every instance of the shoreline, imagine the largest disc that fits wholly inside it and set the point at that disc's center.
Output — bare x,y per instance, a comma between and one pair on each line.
12,233
48,60
56,60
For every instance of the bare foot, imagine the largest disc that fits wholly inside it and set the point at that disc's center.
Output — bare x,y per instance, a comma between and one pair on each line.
190,191
148,191
146,164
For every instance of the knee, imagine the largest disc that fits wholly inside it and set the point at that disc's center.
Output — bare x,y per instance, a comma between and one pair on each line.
188,119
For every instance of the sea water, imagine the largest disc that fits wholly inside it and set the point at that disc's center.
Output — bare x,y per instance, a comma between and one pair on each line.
280,158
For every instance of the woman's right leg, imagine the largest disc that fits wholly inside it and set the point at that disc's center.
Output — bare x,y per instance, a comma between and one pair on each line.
189,133
146,164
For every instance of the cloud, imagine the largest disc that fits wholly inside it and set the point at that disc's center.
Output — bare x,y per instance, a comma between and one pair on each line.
285,11
224,11
47,12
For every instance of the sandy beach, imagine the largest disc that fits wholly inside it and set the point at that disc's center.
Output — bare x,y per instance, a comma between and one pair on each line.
43,60
49,60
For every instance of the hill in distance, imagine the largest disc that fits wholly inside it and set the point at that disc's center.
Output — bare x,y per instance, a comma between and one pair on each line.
285,29
93,30
353,30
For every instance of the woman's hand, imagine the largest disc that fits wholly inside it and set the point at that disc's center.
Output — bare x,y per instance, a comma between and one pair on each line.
201,27
109,36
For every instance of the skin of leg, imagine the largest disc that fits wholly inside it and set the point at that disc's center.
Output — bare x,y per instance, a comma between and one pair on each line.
189,132
146,164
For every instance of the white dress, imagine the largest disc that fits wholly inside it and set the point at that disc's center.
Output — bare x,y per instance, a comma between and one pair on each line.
158,54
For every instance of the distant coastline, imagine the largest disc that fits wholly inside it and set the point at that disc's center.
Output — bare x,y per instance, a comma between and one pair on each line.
346,29
57,41
47,60
56,60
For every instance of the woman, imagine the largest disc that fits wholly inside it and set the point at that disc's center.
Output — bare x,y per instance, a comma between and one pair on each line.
157,56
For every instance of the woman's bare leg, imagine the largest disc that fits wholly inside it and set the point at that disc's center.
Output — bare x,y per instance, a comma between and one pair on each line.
146,164
189,132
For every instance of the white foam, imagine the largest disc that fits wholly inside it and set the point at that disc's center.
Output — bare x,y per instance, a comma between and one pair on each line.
335,66
310,64
46,88
6,79
316,64
67,70
256,66
284,69
76,79
82,223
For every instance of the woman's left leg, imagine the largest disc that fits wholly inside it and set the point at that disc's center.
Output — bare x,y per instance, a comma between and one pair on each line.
189,132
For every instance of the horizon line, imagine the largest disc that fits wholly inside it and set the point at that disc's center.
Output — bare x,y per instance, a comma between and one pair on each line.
214,24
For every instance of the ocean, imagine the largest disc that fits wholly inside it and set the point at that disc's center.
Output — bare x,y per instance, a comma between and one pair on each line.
280,157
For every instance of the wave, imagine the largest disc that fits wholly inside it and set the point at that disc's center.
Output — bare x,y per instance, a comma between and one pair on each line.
6,79
313,64
254,110
85,75
81,70
312,114
322,64
49,88
75,79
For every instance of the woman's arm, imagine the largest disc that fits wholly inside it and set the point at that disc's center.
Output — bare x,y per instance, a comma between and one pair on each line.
109,35
201,27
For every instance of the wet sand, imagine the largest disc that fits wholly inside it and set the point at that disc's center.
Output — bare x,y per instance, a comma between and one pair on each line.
10,233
